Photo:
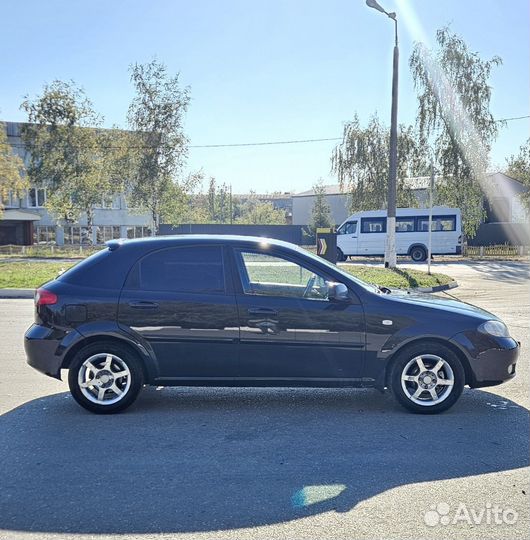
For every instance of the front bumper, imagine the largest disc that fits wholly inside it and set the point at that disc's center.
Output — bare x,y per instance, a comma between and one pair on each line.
45,348
491,360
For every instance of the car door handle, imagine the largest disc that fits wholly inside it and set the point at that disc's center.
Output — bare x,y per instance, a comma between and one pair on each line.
263,312
143,305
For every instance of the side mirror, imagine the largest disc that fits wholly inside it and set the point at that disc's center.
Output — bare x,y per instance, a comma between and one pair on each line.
338,292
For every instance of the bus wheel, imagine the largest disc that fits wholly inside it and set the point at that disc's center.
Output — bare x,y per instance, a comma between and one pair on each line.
418,254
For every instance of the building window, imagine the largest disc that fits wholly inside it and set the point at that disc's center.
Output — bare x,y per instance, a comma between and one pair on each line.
44,234
36,197
138,232
112,203
107,232
75,234
10,201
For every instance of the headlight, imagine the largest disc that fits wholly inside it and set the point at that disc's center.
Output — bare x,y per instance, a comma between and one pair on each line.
494,328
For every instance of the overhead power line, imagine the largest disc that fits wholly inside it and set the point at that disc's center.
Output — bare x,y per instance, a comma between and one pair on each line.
270,143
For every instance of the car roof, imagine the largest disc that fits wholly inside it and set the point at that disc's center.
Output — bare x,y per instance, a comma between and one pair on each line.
154,242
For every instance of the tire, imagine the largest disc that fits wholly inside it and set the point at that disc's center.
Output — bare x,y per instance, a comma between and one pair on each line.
340,256
407,377
418,254
107,359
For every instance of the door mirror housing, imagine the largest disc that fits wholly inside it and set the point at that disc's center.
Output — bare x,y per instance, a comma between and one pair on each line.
338,292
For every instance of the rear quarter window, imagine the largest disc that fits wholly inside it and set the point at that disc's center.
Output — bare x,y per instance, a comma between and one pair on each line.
105,269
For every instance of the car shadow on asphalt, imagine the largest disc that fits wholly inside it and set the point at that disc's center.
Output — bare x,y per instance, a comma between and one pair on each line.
186,460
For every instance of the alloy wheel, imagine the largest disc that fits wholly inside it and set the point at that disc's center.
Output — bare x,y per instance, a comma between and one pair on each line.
104,378
427,380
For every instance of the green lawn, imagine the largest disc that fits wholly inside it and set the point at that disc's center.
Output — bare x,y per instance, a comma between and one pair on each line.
22,275
29,275
400,278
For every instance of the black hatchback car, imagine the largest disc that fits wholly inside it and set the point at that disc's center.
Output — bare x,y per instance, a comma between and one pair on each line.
244,311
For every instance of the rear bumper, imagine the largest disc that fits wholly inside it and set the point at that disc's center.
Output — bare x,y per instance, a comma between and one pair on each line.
45,348
492,364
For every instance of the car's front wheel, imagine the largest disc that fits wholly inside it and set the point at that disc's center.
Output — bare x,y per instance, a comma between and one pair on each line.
427,378
105,377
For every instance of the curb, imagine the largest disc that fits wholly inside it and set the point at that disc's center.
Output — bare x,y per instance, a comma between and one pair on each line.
17,293
436,288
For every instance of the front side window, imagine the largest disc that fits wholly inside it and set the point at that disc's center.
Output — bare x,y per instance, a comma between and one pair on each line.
349,228
36,197
373,225
268,275
197,269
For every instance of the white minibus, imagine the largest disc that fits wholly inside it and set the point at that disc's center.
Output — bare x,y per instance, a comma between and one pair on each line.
364,233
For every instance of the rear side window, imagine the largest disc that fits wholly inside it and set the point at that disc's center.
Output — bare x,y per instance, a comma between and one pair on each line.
194,269
373,225
439,223
405,224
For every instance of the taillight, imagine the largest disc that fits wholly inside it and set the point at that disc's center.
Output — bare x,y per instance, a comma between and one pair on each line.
45,298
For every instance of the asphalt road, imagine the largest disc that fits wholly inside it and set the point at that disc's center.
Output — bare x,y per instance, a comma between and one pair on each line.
245,464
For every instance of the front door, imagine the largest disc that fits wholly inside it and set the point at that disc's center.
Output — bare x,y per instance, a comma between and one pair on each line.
289,330
180,302
347,238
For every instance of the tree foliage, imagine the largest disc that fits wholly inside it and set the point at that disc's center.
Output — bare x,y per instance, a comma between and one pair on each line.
253,211
519,168
12,178
454,118
156,117
321,212
362,165
70,155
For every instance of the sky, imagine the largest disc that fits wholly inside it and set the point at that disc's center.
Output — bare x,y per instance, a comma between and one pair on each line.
260,71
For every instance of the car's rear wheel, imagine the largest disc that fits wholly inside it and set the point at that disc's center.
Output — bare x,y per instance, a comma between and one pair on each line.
105,377
418,254
427,378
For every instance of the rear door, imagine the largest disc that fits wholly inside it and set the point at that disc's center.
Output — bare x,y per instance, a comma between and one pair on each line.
180,301
289,330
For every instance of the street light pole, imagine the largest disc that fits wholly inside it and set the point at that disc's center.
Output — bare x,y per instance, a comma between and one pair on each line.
390,252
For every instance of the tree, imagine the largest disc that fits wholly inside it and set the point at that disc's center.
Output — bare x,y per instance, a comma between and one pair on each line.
361,164
219,203
70,155
519,168
455,120
321,212
156,117
252,211
12,178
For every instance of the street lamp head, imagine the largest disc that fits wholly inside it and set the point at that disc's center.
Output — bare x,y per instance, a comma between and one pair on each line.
373,4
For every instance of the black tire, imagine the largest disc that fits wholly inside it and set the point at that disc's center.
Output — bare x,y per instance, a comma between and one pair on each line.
340,256
405,365
418,254
123,360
